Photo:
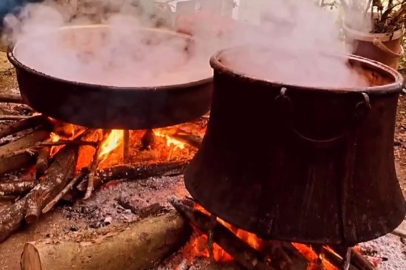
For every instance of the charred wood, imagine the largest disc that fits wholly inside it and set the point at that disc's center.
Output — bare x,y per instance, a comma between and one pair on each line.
68,187
32,122
184,265
147,139
334,259
93,168
11,99
126,146
190,139
134,172
65,142
57,177
67,130
243,253
287,257
15,154
150,210
139,247
126,204
17,188
43,158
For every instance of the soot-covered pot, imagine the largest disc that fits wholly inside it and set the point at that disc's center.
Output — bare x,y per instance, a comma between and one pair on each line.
301,164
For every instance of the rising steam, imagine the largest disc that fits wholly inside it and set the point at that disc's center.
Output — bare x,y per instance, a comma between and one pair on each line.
298,35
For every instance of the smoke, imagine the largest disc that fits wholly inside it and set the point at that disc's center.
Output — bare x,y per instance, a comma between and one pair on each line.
298,35
299,40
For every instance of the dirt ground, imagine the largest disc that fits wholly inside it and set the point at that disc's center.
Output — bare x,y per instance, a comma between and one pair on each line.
56,221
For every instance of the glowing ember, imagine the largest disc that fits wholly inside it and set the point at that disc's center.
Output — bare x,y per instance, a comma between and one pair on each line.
170,141
112,142
54,149
312,257
55,137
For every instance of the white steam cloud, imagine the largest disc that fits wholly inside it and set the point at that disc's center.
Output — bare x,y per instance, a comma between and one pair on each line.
299,37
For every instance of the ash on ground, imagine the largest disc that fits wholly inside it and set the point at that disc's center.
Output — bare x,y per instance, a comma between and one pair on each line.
387,252
126,202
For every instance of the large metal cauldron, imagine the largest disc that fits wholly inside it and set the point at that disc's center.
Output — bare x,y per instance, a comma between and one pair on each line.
301,164
108,107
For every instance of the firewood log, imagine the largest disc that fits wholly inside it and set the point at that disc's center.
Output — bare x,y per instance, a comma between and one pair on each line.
134,172
243,253
141,246
17,188
31,205
32,122
57,177
356,259
43,158
14,159
190,139
11,99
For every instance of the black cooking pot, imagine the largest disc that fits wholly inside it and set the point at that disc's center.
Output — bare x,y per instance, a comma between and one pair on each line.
109,107
300,164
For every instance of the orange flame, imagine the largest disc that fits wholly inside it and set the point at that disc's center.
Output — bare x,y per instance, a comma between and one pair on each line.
54,138
170,141
221,256
112,142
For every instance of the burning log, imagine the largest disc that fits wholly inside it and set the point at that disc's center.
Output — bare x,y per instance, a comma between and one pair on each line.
66,129
31,205
126,145
147,139
134,172
243,253
93,168
11,99
44,155
66,142
189,139
68,187
17,188
14,155
335,259
141,246
28,123
58,174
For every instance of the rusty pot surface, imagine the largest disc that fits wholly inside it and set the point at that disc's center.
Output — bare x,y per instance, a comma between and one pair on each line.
301,164
385,48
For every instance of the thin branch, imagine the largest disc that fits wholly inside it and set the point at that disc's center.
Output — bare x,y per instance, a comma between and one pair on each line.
68,187
64,142
13,117
93,168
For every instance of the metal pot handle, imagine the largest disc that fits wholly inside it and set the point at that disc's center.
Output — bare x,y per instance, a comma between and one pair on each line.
361,110
378,43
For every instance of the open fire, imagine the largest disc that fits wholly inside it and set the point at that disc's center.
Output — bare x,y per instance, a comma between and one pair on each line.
198,247
223,242
100,163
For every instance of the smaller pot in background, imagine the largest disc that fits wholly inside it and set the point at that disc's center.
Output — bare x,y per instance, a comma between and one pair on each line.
385,48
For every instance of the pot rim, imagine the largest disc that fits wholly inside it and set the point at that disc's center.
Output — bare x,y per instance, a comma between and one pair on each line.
394,87
101,87
369,37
